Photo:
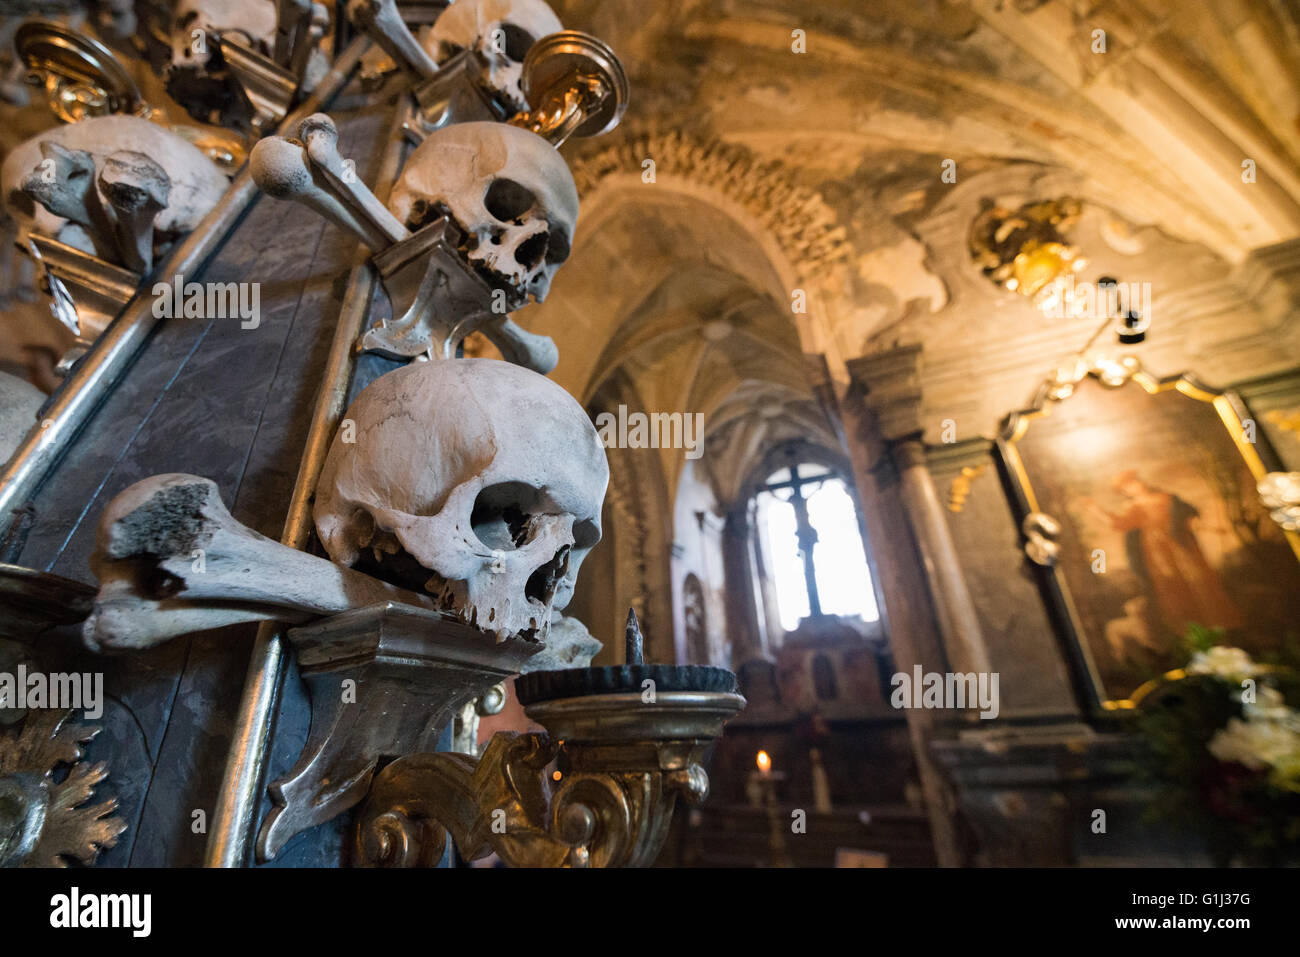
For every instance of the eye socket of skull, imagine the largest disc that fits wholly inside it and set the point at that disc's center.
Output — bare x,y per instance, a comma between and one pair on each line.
586,534
557,246
510,40
508,201
501,513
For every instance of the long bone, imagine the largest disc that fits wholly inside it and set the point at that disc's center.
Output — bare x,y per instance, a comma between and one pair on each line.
319,134
64,183
172,560
282,169
137,188
311,171
383,22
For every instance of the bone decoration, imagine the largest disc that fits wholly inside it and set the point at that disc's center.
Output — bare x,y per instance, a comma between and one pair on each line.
499,34
507,189
442,282
172,560
137,189
65,164
64,183
382,20
287,33
282,169
477,480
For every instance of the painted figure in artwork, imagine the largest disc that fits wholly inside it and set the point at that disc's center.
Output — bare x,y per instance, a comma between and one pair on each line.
1161,544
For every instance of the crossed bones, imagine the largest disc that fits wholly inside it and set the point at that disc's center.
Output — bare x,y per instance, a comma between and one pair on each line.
441,309
383,22
172,560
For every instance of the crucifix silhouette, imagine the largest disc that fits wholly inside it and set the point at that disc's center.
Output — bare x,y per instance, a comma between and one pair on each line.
807,535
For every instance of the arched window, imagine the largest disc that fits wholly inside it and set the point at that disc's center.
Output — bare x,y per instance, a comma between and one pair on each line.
809,528
697,631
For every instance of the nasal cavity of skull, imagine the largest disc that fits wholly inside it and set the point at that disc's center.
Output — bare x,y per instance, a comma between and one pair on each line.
542,583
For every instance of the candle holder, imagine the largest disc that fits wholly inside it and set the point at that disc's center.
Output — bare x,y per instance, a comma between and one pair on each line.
625,741
575,86
78,75
761,791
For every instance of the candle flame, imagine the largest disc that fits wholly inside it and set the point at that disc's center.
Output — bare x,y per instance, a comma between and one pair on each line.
764,762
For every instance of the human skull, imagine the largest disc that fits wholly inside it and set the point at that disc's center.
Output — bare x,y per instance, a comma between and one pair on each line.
196,76
196,24
499,32
509,191
197,184
475,479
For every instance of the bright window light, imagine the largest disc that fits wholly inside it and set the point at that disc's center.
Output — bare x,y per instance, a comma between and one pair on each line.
839,560
843,579
776,520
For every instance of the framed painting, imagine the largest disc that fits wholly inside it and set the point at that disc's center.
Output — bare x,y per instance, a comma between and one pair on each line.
1137,498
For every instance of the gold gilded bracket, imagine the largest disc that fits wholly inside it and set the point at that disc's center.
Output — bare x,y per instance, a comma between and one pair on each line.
621,763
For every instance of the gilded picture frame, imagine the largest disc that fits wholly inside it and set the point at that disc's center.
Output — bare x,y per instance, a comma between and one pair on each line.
1137,504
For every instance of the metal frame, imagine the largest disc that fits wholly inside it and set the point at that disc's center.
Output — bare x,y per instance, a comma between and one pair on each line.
115,351
234,819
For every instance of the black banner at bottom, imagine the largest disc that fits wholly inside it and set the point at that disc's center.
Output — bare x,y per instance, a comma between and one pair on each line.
272,906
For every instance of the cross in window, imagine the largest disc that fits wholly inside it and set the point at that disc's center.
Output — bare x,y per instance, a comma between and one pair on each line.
798,483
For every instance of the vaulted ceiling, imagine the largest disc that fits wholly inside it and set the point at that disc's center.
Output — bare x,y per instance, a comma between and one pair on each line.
795,153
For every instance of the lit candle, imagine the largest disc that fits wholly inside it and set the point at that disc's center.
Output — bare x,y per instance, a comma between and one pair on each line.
764,763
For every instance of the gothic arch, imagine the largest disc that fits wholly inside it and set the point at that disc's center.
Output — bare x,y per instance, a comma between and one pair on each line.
629,568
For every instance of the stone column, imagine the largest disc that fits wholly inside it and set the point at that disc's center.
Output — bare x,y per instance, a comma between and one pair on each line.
890,384
746,627
905,612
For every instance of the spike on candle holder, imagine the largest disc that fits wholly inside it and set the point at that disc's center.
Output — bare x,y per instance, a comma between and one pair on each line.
634,643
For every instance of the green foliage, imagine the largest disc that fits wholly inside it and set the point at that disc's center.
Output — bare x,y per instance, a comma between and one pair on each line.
1200,638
